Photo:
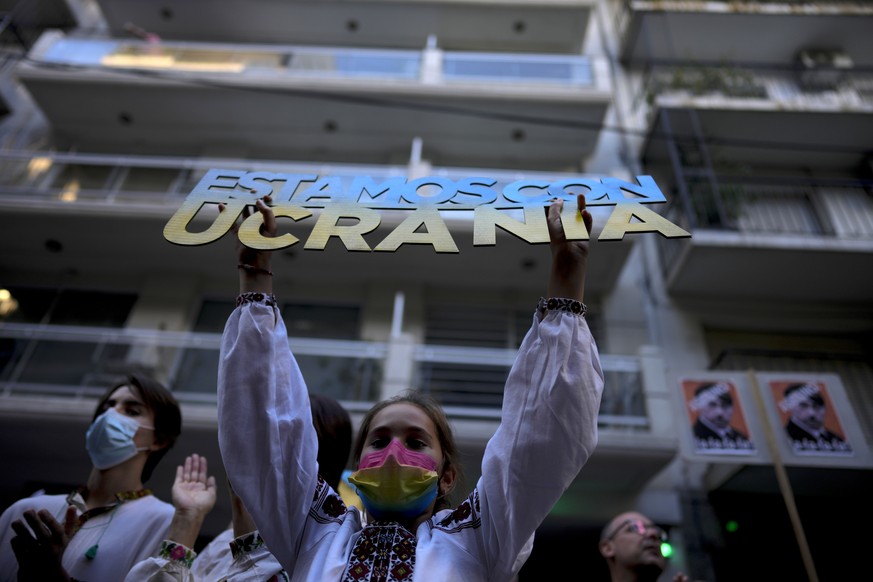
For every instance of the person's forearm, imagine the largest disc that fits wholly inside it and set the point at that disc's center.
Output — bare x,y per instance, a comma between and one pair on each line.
255,281
241,519
185,528
567,276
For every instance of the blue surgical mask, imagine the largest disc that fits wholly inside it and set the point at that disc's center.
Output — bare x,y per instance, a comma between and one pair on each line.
109,439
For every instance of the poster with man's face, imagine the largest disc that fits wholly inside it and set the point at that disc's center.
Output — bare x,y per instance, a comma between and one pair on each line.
809,418
716,418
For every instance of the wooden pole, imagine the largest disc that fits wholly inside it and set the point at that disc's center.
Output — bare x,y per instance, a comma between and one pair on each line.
784,483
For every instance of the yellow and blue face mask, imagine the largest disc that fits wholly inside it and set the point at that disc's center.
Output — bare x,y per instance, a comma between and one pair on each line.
396,482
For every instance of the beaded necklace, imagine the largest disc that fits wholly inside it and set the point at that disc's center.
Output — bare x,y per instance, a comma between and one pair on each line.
76,498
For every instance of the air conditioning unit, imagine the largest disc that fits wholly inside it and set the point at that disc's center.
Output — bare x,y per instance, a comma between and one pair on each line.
823,69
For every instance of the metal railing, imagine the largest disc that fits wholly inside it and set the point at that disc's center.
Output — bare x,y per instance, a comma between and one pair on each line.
463,377
76,362
32,177
84,361
151,180
719,6
843,210
827,88
275,63
518,68
835,211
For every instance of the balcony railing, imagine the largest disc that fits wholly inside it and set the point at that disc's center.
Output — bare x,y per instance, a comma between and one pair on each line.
84,361
466,377
151,180
275,64
795,88
506,69
722,6
75,362
840,209
143,182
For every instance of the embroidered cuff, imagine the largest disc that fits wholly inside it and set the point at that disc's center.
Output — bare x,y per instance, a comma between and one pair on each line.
561,304
254,297
177,553
245,544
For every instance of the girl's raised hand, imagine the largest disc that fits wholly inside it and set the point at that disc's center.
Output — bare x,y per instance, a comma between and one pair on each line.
569,257
254,265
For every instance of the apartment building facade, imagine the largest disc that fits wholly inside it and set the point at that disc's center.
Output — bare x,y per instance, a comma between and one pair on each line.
754,118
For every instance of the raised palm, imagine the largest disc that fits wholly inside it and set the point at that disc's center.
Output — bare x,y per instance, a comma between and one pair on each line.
193,490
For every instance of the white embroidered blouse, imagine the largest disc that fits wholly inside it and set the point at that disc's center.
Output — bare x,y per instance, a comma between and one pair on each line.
548,430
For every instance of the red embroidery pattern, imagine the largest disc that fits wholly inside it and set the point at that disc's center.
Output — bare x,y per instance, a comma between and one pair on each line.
466,515
385,552
327,505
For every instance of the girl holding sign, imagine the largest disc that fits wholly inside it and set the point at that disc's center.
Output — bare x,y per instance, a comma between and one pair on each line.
405,453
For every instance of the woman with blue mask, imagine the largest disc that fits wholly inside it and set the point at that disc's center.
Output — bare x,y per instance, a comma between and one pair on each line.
112,522
405,453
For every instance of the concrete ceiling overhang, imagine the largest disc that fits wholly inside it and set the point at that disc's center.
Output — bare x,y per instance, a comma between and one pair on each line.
708,32
556,26
114,239
319,120
810,270
742,133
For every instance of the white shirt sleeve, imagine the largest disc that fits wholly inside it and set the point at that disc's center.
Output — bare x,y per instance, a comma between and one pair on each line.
267,441
548,429
171,564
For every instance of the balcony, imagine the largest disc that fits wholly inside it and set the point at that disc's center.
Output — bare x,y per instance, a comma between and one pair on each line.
708,32
547,26
768,170
762,117
541,112
84,202
789,242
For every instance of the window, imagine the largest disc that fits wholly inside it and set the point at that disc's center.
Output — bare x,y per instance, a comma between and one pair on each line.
461,383
59,364
344,378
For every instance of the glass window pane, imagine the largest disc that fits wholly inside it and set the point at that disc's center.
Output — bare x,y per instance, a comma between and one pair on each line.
467,326
463,384
83,177
351,379
322,321
33,304
622,394
150,179
92,308
63,363
198,372
70,307
213,315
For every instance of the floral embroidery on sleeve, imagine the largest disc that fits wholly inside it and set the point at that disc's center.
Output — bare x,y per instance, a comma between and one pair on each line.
327,505
177,553
246,544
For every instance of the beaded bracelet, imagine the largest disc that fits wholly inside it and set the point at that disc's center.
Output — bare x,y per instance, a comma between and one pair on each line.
561,304
254,269
255,297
